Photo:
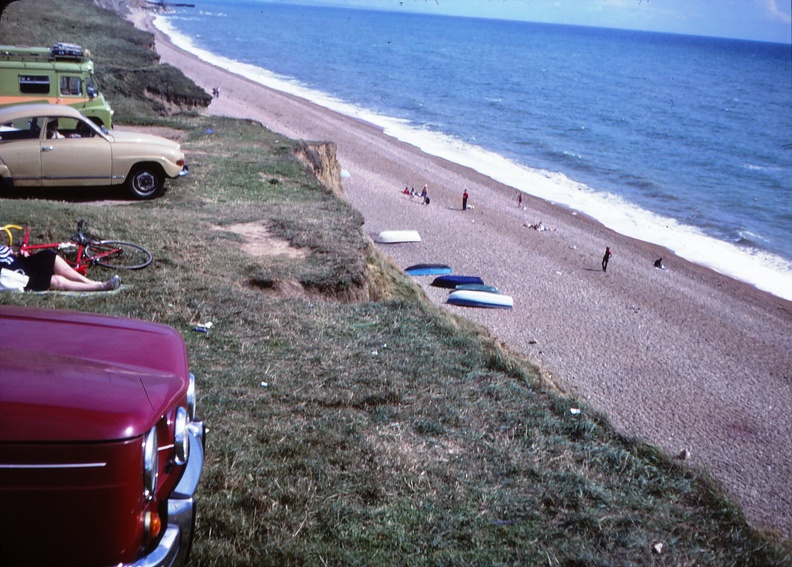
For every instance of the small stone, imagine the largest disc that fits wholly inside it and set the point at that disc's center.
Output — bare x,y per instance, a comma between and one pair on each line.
657,548
683,455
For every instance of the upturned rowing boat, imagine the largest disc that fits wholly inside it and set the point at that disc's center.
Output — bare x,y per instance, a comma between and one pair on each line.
428,270
480,299
394,236
451,281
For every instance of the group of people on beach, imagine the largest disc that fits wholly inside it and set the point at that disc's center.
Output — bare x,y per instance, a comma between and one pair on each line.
424,195
539,226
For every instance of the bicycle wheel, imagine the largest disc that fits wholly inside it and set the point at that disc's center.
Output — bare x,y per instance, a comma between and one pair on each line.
118,255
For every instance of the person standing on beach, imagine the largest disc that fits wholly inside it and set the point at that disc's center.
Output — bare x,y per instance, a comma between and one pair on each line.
464,200
519,199
424,193
606,258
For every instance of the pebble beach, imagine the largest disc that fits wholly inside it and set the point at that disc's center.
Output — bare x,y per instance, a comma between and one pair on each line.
683,357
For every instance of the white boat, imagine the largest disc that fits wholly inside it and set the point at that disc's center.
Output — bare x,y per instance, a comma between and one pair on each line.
469,298
394,236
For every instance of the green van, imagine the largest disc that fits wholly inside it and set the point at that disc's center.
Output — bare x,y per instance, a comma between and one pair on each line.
61,74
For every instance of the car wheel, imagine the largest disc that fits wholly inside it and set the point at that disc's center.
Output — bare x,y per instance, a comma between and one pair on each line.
6,188
146,181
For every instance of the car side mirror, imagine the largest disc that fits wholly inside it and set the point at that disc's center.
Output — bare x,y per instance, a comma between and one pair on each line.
91,92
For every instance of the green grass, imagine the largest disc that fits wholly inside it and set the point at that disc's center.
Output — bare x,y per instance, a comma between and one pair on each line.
381,431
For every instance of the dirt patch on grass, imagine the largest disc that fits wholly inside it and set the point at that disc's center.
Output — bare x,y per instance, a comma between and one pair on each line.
258,241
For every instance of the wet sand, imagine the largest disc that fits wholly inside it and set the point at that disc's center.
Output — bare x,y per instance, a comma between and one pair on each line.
684,357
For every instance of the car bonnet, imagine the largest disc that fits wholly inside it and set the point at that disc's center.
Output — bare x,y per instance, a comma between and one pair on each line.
83,377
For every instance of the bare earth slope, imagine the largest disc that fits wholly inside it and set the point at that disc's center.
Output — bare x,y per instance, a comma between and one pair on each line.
684,358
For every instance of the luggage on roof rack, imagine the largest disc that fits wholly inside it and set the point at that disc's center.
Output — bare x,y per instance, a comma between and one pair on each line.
63,50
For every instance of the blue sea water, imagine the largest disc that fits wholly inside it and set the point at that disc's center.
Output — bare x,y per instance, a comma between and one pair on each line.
681,141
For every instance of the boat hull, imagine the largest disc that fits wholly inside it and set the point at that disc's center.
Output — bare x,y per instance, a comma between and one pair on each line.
428,270
480,299
451,281
395,236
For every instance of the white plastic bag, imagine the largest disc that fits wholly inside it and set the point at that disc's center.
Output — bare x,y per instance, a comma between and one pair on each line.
12,281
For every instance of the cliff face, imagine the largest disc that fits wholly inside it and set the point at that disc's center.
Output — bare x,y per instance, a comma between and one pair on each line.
320,158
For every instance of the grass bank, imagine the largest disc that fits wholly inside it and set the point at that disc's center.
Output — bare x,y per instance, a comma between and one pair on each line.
377,431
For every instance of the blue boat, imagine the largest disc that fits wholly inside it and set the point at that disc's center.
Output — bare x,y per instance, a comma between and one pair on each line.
428,270
451,281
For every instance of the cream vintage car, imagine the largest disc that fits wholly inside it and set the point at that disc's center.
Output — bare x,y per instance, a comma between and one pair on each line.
50,145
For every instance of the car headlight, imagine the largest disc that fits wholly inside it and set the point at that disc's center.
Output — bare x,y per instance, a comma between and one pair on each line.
150,463
191,398
181,441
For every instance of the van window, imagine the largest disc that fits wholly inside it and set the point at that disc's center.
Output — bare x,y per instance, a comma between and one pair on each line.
91,84
70,85
34,84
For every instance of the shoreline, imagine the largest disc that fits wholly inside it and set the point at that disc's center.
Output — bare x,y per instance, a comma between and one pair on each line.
686,358
763,269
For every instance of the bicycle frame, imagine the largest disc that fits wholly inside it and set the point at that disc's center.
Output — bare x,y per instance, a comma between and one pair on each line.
79,264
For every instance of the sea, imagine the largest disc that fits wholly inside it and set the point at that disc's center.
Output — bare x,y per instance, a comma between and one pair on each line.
681,141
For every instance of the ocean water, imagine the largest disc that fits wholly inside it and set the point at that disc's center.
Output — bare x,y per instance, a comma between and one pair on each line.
681,141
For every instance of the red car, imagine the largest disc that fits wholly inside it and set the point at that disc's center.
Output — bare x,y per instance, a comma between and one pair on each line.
100,450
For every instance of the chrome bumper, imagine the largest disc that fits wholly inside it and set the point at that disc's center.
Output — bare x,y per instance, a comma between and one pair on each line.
174,548
185,170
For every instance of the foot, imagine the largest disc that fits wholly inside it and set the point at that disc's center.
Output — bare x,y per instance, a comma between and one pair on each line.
113,283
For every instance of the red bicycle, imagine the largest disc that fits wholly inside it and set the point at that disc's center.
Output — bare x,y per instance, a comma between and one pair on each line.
84,251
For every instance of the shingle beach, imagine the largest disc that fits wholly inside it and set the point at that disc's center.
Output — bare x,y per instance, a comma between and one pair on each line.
683,357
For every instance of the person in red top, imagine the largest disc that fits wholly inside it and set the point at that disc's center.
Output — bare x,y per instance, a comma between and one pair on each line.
605,259
464,200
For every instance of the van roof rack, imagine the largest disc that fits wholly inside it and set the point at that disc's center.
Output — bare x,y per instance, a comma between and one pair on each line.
60,51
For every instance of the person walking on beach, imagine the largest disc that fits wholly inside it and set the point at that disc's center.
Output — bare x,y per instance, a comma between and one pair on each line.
606,258
424,193
519,199
464,200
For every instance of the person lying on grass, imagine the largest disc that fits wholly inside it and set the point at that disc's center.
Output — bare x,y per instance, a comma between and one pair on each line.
48,271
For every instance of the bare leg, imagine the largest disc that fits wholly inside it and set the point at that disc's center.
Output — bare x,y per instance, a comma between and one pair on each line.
66,278
60,283
67,272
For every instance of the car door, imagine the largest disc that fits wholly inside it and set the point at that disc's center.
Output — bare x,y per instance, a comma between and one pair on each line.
20,151
84,159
